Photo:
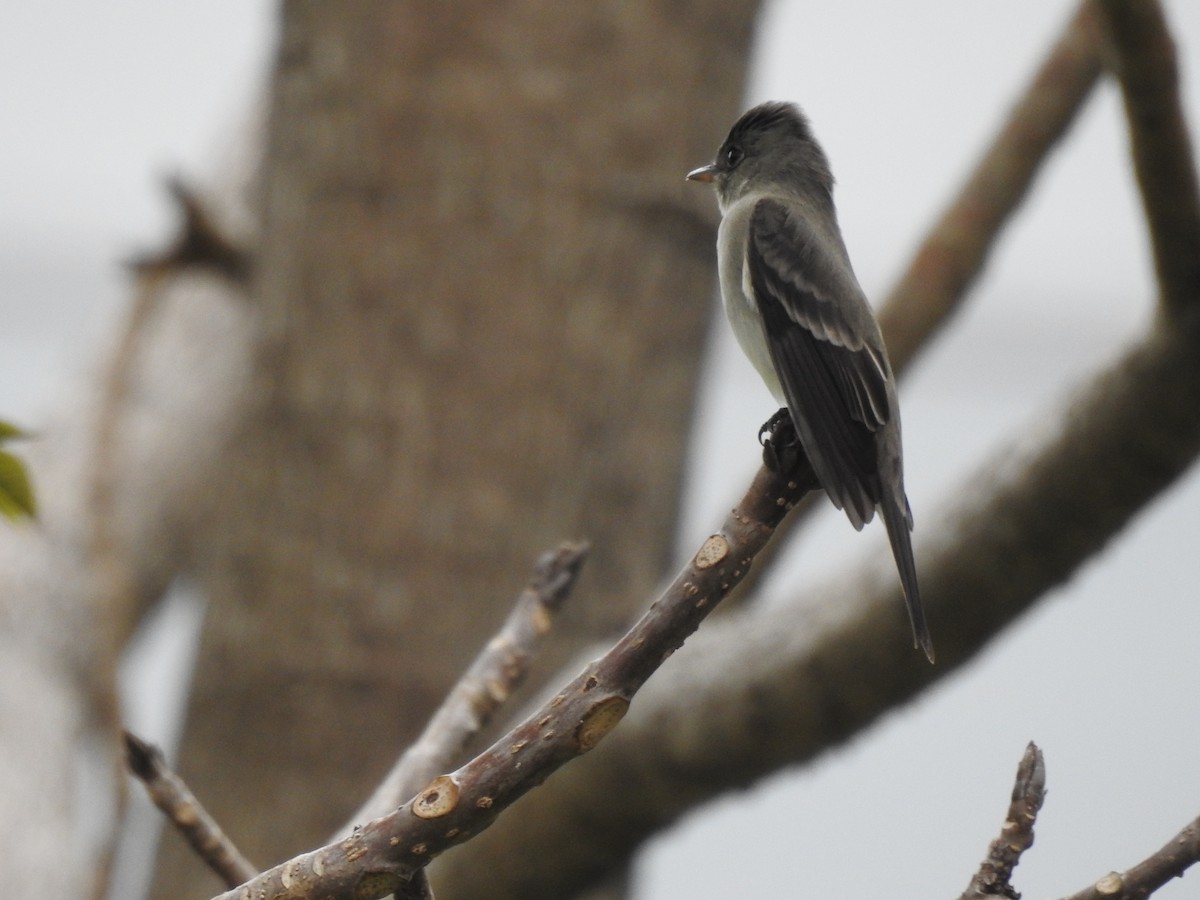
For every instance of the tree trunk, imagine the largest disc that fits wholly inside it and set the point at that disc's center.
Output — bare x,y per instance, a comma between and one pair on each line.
481,298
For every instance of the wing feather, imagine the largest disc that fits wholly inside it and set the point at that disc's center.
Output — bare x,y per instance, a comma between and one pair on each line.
834,382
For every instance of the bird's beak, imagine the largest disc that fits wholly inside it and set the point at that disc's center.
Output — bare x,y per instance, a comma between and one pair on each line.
704,173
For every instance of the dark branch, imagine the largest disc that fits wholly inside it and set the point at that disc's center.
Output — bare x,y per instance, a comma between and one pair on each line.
379,857
184,811
828,660
1142,57
491,679
1171,861
994,878
496,673
199,243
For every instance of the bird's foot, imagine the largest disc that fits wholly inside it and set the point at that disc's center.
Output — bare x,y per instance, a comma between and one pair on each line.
781,446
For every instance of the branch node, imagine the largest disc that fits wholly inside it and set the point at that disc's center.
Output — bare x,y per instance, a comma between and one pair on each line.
199,243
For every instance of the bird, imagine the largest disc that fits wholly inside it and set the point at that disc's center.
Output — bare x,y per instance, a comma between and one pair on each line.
800,316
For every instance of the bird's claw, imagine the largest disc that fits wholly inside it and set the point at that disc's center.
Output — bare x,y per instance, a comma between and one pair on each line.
779,422
781,447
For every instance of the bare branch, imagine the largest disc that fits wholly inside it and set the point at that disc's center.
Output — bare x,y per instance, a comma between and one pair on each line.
1171,861
184,811
121,585
1142,56
828,661
1019,526
385,853
1016,835
955,250
491,679
484,687
994,877
199,243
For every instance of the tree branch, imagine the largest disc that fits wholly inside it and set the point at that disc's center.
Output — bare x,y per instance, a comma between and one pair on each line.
1018,527
1016,835
827,662
1171,861
382,855
955,250
1142,57
470,705
171,795
994,876
484,687
199,243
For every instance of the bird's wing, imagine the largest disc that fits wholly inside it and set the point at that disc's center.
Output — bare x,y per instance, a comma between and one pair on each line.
834,381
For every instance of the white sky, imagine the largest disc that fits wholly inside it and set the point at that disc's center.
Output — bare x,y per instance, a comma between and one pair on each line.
101,100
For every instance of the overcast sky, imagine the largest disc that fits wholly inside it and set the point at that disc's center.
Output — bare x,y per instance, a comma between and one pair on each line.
102,100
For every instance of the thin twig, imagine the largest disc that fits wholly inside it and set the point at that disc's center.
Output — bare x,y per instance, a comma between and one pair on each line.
1142,57
383,854
199,243
491,679
184,811
480,692
484,687
1171,861
119,598
994,878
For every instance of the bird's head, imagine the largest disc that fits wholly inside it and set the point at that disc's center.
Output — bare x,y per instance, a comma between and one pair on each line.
770,145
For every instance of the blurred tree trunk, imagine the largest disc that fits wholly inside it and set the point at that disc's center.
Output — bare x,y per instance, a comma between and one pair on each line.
481,297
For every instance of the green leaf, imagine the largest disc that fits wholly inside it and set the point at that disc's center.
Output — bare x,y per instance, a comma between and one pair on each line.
9,431
16,492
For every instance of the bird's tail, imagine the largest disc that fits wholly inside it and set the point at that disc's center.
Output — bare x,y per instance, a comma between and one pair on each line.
898,521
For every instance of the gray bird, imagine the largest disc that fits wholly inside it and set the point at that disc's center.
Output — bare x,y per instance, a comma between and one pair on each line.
800,316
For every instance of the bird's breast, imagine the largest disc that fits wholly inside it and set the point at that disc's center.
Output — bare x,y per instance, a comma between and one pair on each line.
737,297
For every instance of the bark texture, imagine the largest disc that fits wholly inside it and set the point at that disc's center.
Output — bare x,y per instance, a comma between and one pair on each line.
481,295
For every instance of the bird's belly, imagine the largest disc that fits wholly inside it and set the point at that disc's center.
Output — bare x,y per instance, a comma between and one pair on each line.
747,328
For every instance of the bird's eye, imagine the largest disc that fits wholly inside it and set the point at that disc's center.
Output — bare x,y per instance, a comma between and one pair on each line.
733,156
